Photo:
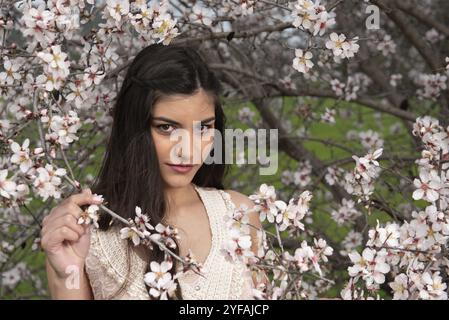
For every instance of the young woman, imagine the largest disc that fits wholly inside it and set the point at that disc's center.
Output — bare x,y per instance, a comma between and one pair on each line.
165,88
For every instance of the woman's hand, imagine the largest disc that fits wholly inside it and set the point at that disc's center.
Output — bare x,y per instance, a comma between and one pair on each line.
66,242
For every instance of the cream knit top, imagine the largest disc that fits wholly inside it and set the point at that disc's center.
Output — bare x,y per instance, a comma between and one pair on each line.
106,263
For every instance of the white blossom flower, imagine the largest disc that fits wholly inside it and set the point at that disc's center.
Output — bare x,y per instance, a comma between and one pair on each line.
432,85
56,59
303,174
346,213
370,266
337,43
428,186
388,236
166,234
246,115
38,23
395,79
304,14
433,287
371,140
142,220
201,15
164,29
7,187
160,280
265,203
78,93
90,215
387,46
11,72
21,155
132,233
302,61
351,242
63,129
328,116
237,247
117,8
93,75
400,287
48,181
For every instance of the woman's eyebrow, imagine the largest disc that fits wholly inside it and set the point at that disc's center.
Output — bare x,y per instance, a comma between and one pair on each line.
177,123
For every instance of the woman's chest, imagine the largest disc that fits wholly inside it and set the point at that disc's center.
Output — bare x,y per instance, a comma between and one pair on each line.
195,233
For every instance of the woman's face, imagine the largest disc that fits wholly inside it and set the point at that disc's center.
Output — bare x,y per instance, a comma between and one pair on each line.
195,116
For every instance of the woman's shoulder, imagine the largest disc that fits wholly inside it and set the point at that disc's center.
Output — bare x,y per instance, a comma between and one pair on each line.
239,198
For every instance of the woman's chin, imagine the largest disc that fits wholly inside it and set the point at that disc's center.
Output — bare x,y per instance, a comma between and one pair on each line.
178,181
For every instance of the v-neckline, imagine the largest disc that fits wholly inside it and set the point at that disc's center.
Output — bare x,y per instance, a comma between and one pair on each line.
212,231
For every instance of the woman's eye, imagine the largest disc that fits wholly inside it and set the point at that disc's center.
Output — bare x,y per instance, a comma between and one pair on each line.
205,128
164,127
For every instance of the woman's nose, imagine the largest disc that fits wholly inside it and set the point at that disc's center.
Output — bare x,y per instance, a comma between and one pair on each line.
191,151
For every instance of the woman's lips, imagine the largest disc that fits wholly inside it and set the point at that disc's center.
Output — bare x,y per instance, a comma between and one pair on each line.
181,168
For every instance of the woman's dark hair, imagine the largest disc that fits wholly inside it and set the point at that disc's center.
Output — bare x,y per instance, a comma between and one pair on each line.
129,175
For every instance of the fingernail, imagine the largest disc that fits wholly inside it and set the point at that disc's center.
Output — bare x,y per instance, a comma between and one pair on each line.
97,198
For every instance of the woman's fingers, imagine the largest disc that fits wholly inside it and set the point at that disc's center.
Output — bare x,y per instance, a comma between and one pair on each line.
66,220
62,222
72,205
57,236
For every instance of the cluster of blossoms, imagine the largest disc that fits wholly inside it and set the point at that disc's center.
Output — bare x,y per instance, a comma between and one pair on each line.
285,217
141,231
432,85
346,213
10,188
412,254
91,214
351,242
371,140
311,16
56,68
328,116
152,21
62,129
201,15
355,84
395,79
301,177
48,181
236,10
238,246
360,181
314,18
246,115
161,282
387,46
309,257
341,48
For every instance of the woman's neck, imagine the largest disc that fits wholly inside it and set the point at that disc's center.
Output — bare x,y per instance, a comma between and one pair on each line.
178,197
